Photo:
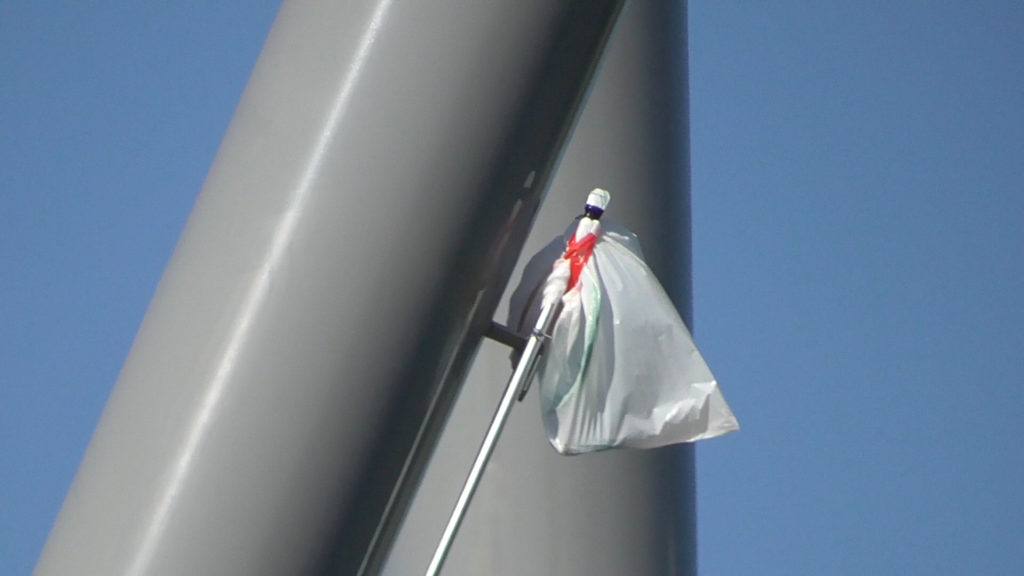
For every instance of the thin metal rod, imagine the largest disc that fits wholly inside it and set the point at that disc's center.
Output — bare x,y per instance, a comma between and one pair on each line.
523,372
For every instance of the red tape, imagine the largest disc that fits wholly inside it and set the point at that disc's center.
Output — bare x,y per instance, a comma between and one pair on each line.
578,254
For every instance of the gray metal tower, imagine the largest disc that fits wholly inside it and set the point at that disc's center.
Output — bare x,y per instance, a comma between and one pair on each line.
313,330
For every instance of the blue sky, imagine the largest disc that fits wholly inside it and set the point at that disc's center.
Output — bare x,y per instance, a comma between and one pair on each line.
858,193
858,198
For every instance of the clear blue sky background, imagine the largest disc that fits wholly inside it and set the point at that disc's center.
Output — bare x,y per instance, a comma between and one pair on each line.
858,194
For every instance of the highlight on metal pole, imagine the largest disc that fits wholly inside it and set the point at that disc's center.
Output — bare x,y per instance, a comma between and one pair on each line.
551,291
522,374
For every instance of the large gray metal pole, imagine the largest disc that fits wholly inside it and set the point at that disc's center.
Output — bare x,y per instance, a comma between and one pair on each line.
612,513
346,254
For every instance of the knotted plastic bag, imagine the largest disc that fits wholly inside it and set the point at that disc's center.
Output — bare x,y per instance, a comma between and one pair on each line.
621,369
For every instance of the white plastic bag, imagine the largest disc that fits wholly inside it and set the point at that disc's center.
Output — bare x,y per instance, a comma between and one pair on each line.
621,369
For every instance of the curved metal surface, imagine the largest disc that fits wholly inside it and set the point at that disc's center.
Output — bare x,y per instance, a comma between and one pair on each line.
340,265
616,512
